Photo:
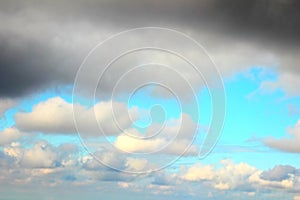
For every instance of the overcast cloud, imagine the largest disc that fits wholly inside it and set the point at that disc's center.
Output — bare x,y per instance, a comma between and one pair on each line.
43,43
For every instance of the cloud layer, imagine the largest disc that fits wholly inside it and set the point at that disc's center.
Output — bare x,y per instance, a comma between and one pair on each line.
50,40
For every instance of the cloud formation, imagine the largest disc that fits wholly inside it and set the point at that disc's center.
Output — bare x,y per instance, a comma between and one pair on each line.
58,166
9,135
176,138
50,40
242,176
41,155
42,46
287,144
55,116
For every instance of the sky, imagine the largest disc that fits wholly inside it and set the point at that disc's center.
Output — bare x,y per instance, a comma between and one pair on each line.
131,99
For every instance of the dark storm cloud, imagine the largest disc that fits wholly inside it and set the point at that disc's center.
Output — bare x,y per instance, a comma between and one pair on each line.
27,67
43,42
275,17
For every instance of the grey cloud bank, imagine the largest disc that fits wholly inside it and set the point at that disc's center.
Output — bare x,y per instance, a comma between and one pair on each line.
44,42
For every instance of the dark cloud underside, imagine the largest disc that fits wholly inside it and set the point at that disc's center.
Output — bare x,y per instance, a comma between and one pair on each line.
30,60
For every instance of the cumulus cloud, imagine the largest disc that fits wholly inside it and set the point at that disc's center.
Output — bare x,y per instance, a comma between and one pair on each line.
44,163
279,173
288,144
112,161
41,155
9,135
242,176
175,138
55,116
199,172
233,175
280,176
134,164
228,176
283,184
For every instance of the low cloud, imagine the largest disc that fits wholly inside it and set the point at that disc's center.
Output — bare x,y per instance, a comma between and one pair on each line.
242,176
9,135
175,138
288,144
55,116
57,166
279,173
41,155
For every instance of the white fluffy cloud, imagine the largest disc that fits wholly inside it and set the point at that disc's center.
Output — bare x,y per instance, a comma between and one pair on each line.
40,155
136,165
240,176
55,115
111,161
47,164
198,172
9,135
260,182
175,138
